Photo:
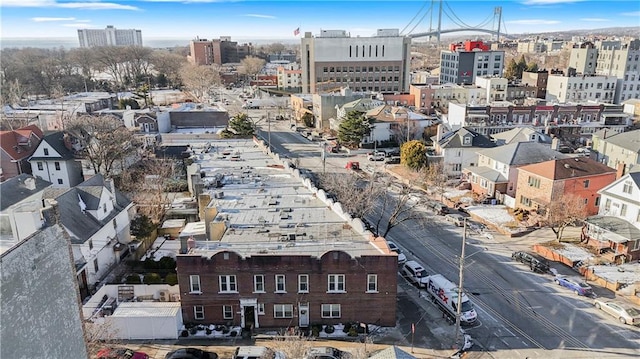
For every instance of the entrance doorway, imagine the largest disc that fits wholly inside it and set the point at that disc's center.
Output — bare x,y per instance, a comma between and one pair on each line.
248,313
249,317
303,315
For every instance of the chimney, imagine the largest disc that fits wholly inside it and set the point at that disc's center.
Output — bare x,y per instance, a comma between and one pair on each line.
50,213
439,131
620,170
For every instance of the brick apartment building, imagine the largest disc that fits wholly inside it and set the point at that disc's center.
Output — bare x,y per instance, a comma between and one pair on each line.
278,252
220,51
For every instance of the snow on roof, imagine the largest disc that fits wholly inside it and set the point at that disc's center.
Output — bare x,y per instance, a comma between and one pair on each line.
574,253
147,309
623,273
497,215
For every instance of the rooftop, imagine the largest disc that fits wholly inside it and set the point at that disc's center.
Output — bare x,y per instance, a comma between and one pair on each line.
269,208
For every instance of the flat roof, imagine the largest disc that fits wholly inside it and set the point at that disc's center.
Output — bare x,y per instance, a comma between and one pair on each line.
147,309
267,208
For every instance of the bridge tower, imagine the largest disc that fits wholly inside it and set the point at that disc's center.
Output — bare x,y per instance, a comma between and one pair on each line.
497,11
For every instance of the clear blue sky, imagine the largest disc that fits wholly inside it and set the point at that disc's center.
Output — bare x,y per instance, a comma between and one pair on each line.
278,19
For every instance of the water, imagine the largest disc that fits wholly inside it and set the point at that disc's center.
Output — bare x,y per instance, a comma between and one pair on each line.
71,42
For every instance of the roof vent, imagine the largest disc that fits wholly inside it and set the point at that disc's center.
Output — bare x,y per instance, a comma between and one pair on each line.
566,165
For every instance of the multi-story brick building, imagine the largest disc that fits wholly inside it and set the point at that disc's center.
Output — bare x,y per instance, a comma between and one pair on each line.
279,252
334,59
463,62
432,98
220,51
541,183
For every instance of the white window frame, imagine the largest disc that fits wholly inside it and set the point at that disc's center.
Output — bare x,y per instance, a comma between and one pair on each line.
228,283
281,287
372,283
336,283
227,312
282,311
258,283
303,279
194,284
331,309
260,309
198,312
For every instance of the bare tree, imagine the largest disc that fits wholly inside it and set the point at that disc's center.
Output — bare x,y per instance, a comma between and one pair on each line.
435,178
103,140
251,66
199,79
394,210
169,64
97,333
354,194
564,211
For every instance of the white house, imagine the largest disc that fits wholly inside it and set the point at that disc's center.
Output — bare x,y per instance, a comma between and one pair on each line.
54,161
393,123
458,149
20,204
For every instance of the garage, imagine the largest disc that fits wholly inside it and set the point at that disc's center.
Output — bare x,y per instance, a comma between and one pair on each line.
146,320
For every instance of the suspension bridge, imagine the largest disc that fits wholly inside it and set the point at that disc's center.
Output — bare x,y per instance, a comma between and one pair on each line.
494,20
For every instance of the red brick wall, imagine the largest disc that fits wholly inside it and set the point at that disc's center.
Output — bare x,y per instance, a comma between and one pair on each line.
380,306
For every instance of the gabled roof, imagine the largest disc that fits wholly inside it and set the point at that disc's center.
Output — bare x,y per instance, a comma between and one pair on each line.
18,188
520,134
634,176
454,139
573,167
628,140
385,113
522,153
57,141
10,141
78,222
392,352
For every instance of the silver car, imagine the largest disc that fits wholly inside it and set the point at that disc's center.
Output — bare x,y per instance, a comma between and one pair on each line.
625,314
394,248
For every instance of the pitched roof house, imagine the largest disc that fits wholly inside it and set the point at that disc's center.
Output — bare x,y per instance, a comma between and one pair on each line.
458,149
54,161
21,200
395,123
497,174
540,183
617,150
15,148
615,231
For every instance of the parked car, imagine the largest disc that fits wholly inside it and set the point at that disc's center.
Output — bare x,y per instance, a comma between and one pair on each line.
392,160
376,156
440,208
190,353
327,353
578,286
415,273
624,313
120,353
536,262
401,257
455,218
257,352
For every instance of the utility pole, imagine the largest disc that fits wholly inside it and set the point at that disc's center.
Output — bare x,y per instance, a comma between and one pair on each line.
460,279
269,131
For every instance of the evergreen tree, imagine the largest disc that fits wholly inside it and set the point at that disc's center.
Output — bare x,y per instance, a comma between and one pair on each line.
413,154
512,70
353,129
241,125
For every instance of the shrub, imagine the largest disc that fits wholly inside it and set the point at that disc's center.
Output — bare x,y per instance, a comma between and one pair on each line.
233,333
184,333
329,329
167,263
353,332
133,279
208,331
171,279
315,331
152,278
347,327
193,330
225,330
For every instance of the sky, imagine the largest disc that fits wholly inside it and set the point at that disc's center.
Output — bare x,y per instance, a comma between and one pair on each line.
273,19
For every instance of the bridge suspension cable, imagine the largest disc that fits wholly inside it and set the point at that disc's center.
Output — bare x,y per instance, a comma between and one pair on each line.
419,21
416,15
462,23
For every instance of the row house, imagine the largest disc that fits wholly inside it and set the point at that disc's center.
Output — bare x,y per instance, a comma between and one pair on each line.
541,183
16,146
615,231
579,88
560,120
617,150
278,252
432,98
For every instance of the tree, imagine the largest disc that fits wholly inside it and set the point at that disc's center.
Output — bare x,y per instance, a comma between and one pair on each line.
199,79
168,64
511,71
532,67
251,66
124,102
356,195
435,177
399,208
241,125
143,92
141,226
353,129
308,119
103,140
563,211
413,154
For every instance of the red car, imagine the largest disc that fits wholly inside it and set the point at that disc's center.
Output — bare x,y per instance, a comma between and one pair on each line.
120,353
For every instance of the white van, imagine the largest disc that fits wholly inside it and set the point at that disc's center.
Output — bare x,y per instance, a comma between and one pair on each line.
415,273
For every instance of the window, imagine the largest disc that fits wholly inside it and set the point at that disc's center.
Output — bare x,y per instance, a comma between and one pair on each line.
627,187
57,165
303,283
90,244
227,312
60,181
525,201
597,202
46,151
372,283
623,210
607,204
331,310
336,283
95,265
104,207
258,283
227,283
534,182
198,312
280,284
194,283
261,308
585,183
40,166
283,310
